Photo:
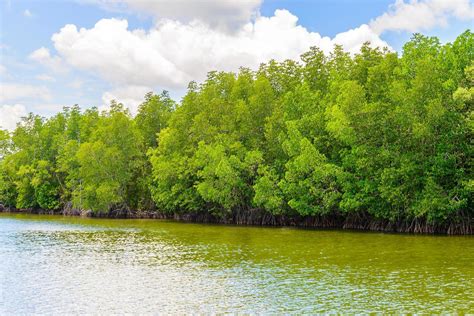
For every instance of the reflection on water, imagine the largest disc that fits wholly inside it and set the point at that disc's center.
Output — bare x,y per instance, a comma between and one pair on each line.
71,265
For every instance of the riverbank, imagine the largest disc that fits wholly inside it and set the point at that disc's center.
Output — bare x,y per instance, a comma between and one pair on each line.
262,218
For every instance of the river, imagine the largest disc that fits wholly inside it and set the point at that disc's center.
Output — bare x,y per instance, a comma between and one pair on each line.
57,265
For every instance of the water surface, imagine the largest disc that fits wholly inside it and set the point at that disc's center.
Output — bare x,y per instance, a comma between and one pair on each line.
53,264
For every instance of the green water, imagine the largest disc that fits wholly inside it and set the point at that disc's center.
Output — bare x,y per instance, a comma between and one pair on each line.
57,265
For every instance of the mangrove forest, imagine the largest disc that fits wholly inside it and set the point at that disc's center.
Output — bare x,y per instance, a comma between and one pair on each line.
378,140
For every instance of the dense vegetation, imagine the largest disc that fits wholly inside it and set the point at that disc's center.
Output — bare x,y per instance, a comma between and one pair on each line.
374,137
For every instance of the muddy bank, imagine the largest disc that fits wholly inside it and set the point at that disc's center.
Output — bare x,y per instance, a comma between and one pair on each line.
256,217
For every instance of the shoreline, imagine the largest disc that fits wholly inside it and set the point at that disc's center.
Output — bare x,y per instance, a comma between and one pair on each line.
258,218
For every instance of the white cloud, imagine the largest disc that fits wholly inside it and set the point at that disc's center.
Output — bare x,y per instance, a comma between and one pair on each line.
130,96
222,14
3,70
14,91
27,13
352,40
44,77
190,38
117,54
42,56
172,53
416,15
10,115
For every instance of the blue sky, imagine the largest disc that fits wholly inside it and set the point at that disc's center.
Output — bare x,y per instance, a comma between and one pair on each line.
58,53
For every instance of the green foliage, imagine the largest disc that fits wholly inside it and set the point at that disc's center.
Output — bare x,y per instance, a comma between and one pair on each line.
333,134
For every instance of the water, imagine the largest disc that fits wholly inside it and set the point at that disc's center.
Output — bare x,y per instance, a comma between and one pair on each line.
57,265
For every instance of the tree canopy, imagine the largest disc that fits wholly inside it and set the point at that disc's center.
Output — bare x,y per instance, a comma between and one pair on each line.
376,134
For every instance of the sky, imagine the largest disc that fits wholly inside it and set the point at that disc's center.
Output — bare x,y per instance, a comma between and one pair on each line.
56,53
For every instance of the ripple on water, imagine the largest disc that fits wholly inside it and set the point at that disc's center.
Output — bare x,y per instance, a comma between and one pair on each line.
59,265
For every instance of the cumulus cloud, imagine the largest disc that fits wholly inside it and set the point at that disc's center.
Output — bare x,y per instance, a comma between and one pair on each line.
110,50
130,96
43,56
14,91
172,53
10,115
352,40
190,38
223,14
416,15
